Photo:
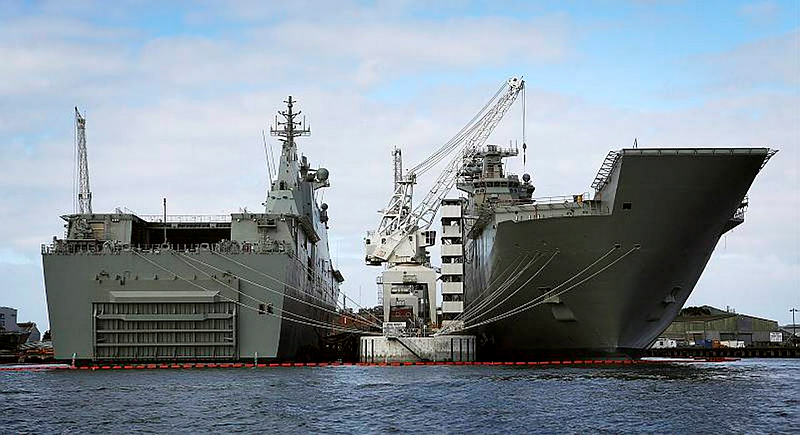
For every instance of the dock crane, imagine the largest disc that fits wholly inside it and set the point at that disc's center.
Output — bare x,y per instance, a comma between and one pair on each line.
402,236
84,194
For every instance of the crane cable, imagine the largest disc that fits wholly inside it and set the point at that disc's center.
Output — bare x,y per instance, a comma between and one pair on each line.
448,146
524,122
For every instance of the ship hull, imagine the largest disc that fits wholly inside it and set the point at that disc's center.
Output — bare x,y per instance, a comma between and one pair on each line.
634,266
166,306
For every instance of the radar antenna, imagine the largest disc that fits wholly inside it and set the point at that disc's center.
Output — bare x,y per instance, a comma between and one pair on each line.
289,129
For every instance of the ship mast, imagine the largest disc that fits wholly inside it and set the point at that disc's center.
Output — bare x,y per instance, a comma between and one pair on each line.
287,130
84,194
289,192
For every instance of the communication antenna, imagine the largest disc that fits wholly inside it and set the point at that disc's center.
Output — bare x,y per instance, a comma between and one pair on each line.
84,194
165,221
524,121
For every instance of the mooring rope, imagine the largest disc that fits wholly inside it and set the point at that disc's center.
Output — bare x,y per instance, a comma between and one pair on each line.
601,258
541,299
284,294
504,285
488,311
499,291
301,263
291,286
258,310
516,264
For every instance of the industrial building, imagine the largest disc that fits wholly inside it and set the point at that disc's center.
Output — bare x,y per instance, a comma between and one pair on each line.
697,326
8,319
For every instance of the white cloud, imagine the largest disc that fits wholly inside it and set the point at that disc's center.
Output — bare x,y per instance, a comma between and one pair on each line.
772,61
760,12
181,116
10,256
382,50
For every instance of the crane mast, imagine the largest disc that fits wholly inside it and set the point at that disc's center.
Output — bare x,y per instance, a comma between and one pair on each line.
398,166
402,234
84,194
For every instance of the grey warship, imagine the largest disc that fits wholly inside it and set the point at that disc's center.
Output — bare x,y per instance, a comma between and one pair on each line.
581,277
126,287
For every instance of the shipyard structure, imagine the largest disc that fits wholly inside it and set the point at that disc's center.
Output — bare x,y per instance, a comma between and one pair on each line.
594,274
126,287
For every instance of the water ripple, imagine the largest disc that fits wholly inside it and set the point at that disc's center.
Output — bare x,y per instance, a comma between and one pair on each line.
749,396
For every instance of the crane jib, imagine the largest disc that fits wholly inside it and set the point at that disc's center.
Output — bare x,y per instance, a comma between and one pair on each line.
402,224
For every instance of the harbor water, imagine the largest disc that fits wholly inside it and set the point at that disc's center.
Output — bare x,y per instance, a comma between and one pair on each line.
747,396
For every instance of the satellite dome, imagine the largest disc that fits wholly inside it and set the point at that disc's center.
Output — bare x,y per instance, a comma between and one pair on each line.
526,177
324,206
322,174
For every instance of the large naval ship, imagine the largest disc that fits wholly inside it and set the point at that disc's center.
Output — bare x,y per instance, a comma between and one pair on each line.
248,285
600,276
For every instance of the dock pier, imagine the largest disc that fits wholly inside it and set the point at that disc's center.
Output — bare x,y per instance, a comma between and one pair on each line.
389,349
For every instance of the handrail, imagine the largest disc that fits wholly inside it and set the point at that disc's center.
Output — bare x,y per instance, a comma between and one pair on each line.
185,218
99,247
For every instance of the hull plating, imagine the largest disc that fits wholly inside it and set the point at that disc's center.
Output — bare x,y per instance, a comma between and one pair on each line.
677,207
77,283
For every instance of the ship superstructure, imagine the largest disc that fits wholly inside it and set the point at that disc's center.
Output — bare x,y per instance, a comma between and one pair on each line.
121,286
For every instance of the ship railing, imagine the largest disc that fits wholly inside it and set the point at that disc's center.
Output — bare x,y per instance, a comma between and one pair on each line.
566,200
549,207
186,218
563,199
96,247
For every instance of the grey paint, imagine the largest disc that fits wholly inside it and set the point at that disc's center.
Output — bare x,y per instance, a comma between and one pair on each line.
681,204
284,249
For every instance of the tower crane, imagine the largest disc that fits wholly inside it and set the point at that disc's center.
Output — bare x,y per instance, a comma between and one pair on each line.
402,236
84,194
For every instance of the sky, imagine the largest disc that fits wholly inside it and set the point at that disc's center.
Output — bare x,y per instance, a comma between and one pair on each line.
176,95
